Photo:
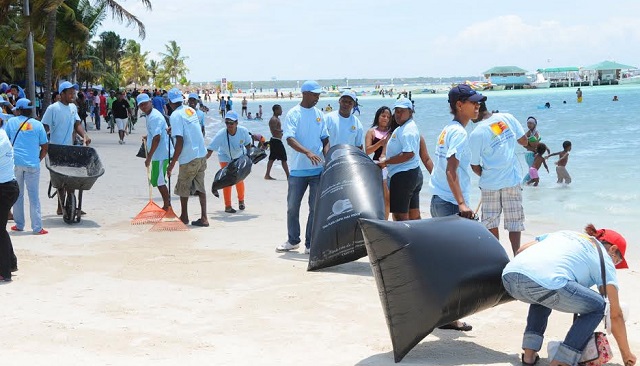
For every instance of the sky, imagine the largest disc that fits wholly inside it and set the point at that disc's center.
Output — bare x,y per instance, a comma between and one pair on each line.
304,39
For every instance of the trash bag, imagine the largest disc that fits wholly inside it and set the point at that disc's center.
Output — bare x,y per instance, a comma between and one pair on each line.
350,188
432,272
237,170
256,154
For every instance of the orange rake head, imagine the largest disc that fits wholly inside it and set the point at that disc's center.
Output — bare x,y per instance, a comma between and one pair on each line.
169,222
150,214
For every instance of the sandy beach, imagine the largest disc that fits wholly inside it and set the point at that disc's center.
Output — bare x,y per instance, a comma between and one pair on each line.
105,292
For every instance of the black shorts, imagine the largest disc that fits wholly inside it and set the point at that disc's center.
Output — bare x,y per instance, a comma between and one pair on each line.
404,191
244,108
277,151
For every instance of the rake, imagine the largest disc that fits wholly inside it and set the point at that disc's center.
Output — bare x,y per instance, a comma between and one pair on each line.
151,213
169,221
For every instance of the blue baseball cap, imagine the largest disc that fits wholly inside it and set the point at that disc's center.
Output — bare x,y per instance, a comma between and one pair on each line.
463,92
142,98
4,87
349,93
5,117
311,86
403,103
175,95
23,103
3,102
194,96
232,115
66,85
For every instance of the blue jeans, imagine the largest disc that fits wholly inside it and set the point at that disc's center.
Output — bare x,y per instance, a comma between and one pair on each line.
29,177
572,298
442,208
297,188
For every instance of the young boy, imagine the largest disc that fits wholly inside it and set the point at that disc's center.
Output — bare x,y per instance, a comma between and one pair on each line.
561,169
538,161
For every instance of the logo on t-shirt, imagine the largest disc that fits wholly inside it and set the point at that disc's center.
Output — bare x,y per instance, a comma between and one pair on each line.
190,112
498,128
27,127
441,137
353,128
318,119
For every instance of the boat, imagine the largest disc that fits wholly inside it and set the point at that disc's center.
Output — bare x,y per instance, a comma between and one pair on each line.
630,78
540,82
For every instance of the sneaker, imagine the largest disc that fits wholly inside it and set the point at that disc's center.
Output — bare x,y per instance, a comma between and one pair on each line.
229,210
15,228
41,232
286,247
120,142
307,250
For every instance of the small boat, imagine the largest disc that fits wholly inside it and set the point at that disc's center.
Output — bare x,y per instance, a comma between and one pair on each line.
630,78
540,82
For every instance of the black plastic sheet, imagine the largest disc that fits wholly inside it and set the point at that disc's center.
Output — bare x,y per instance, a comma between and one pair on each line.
431,272
236,171
350,189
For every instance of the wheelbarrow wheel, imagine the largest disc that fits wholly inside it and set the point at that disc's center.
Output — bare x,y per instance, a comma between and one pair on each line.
69,208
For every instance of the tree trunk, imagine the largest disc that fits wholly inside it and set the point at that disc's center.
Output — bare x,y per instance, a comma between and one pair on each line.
48,57
31,77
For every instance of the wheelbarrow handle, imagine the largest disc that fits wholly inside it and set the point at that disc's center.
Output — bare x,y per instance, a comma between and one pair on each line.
49,191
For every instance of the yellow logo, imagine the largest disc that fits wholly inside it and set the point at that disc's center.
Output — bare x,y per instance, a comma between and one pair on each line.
190,112
441,137
318,119
353,128
241,142
498,128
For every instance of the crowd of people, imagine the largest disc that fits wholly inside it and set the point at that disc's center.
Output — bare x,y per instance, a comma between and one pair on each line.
571,262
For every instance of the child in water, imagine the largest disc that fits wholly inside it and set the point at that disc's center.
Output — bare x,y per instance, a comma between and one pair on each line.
561,168
538,160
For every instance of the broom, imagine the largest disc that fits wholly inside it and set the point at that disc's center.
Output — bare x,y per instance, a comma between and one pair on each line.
169,221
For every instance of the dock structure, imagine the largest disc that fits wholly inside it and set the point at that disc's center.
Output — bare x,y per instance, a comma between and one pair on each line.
511,77
602,73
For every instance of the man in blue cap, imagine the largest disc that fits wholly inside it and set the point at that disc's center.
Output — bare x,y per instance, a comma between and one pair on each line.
191,153
30,146
193,102
343,126
61,118
158,147
306,132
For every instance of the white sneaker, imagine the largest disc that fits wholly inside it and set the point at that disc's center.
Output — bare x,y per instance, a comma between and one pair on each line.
286,247
307,250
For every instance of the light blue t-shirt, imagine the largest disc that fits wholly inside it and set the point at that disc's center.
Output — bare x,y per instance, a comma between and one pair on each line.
234,147
200,117
6,159
26,146
493,143
344,130
184,122
405,138
157,125
453,140
61,120
309,128
561,257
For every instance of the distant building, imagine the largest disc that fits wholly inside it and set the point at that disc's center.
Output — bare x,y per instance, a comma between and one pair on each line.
608,71
512,77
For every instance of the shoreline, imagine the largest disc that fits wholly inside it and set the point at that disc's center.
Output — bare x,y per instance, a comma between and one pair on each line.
107,292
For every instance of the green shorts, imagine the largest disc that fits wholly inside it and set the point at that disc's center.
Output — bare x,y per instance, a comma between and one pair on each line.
159,179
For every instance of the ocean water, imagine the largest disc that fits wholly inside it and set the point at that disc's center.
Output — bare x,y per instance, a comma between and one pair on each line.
603,161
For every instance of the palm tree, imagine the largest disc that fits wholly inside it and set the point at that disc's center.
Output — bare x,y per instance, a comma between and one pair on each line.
153,67
134,64
52,7
173,62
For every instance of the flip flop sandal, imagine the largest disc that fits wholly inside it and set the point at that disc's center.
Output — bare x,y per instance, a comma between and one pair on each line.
199,222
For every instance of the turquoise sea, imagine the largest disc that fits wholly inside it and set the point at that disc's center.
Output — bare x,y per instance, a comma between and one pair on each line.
602,163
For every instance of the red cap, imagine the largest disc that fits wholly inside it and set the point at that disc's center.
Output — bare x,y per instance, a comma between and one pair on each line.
616,239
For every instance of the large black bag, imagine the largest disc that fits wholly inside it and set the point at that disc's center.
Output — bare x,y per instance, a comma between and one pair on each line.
432,272
256,154
237,170
350,188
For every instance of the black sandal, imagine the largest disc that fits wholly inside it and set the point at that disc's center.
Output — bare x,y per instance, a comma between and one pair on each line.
529,363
